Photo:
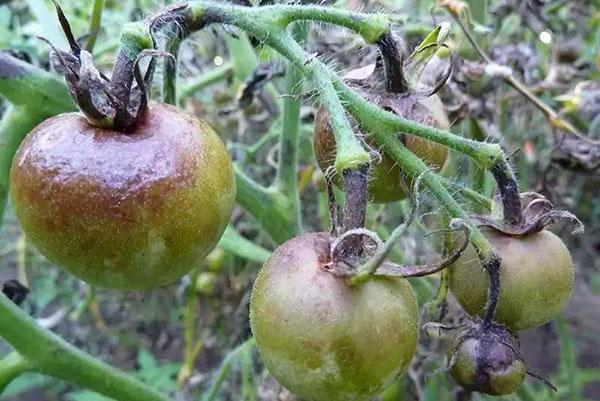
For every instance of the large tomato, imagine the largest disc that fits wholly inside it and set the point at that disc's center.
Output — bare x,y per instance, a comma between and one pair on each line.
323,339
127,210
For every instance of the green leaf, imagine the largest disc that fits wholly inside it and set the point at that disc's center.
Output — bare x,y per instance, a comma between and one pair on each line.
424,52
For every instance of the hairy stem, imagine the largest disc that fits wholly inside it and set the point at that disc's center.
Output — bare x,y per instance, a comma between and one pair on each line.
415,167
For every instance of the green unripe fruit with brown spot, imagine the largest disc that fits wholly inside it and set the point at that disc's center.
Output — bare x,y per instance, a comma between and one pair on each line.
323,339
536,279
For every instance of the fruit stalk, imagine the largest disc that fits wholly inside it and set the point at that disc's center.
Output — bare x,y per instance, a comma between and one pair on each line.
393,60
509,193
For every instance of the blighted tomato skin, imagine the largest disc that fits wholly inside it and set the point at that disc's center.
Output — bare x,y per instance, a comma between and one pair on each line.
323,339
536,279
386,182
125,210
501,370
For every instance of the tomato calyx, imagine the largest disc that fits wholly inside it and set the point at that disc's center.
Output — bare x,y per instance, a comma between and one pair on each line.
357,253
538,213
106,102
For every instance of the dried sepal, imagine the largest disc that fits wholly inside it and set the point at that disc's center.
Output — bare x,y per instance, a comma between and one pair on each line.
94,93
538,214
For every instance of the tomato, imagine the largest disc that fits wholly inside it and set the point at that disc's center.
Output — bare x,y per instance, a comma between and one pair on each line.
487,365
536,279
387,183
323,339
127,210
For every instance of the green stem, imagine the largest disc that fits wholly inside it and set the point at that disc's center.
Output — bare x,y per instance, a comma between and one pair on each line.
234,243
23,84
169,88
370,26
210,77
485,154
287,180
49,354
259,22
415,167
95,25
480,201
267,205
12,366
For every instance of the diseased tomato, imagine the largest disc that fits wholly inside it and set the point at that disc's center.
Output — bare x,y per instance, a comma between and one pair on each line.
387,183
536,279
323,339
488,364
127,210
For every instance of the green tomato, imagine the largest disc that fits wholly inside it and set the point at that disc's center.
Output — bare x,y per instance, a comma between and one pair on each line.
126,210
323,339
536,279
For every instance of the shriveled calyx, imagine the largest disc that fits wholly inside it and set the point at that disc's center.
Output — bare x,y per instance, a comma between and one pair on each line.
118,102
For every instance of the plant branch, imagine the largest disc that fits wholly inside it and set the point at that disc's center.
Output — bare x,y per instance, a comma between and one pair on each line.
370,26
234,243
415,167
47,353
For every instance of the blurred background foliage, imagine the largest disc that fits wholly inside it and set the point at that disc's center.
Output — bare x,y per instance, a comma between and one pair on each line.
185,339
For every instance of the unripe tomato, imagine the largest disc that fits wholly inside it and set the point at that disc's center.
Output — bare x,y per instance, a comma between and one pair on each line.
127,210
536,279
387,183
323,339
488,367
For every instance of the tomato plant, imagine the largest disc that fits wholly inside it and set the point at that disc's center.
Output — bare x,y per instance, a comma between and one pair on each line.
125,147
